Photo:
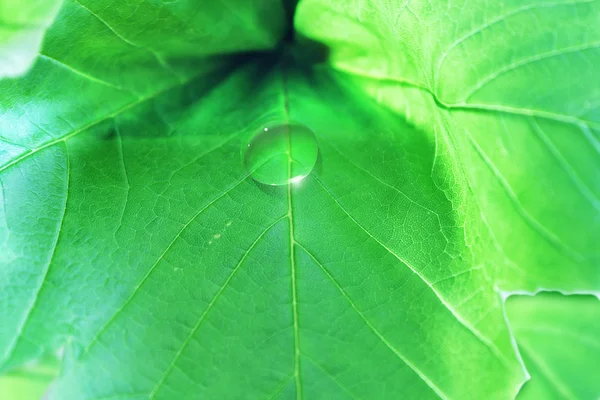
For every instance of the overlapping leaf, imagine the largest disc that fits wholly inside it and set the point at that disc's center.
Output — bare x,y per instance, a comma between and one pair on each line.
558,338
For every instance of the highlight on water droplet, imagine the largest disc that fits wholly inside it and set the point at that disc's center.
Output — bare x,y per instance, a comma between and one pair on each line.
281,153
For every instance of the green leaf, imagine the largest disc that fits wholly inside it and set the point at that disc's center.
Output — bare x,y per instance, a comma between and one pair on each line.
558,338
509,94
133,235
238,295
22,27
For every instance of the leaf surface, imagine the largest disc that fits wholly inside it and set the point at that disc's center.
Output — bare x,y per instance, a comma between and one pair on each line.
510,95
558,338
511,99
132,234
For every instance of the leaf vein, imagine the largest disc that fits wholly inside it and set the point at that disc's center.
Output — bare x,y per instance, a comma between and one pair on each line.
81,73
381,337
493,22
153,267
562,161
94,123
529,60
208,308
373,176
532,222
318,365
154,53
27,317
447,305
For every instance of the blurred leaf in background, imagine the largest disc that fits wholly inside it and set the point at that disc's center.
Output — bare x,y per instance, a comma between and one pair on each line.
22,28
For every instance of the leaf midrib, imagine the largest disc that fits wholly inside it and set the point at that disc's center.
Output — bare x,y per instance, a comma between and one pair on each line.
290,216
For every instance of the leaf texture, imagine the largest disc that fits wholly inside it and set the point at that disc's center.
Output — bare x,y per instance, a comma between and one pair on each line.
132,235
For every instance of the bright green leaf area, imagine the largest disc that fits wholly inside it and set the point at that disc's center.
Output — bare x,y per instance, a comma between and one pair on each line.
558,338
22,27
30,382
459,160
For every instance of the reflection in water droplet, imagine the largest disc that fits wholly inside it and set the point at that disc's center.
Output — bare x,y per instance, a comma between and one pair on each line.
281,153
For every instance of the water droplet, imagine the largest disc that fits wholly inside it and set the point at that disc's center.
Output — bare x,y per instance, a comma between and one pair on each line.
281,153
